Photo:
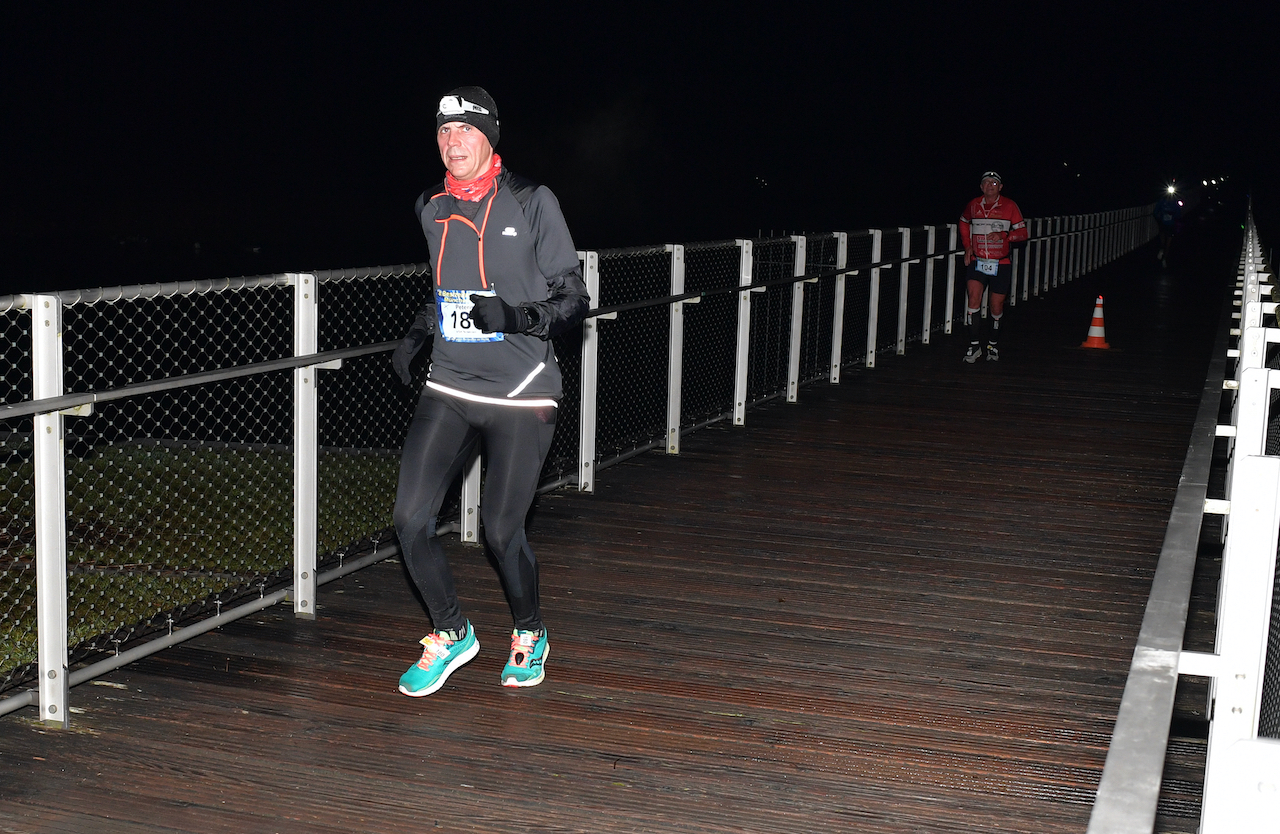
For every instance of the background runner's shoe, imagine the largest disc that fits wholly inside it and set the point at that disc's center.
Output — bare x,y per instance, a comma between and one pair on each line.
993,355
440,656
974,354
527,664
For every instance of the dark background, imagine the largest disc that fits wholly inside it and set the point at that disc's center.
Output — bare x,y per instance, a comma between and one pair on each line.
148,142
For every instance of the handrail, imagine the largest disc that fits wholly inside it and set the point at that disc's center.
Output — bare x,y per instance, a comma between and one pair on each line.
65,402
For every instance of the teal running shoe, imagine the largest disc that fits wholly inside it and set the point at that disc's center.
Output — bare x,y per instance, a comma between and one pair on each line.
441,654
527,664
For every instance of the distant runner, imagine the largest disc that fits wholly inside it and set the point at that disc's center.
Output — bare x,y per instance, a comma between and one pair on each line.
987,226
1167,212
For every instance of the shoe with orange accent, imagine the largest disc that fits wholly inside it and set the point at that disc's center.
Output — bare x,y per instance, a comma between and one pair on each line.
442,652
527,664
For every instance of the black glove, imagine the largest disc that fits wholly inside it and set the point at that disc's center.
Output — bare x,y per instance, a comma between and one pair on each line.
493,315
402,356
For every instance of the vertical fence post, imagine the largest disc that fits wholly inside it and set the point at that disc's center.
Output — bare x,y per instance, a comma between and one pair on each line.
1117,235
742,354
837,314
305,445
1069,241
1095,241
1059,250
904,277
675,350
797,318
873,305
930,242
590,371
1058,243
952,233
1029,256
1104,231
1051,254
1042,257
1082,253
50,511
1244,606
469,510
1046,234
1077,246
1086,249
1107,230
1104,239
1015,267
1086,243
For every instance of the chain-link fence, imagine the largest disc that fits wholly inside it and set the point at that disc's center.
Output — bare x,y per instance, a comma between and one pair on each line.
1269,706
17,503
710,327
632,394
179,415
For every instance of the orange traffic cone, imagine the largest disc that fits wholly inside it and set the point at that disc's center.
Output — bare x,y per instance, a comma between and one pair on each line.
1097,334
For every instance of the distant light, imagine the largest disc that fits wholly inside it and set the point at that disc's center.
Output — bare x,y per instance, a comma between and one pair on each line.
1204,182
1169,189
1179,202
1215,182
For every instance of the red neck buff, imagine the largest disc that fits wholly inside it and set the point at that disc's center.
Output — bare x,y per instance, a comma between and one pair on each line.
473,190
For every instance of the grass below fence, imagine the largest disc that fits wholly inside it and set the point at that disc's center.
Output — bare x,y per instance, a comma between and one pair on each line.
158,532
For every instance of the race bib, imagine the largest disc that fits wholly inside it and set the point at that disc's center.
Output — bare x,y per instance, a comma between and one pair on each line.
453,308
987,266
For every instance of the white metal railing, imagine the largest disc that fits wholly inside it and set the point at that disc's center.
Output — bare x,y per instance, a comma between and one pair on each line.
1060,249
1242,774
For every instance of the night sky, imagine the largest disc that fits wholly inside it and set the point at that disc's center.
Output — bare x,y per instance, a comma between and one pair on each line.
149,142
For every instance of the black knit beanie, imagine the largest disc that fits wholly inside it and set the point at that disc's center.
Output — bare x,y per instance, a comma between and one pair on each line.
473,106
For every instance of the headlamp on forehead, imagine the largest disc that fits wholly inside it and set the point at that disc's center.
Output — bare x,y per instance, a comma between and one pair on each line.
457,105
991,175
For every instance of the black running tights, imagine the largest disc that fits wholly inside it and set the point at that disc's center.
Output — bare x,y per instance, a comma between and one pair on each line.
441,439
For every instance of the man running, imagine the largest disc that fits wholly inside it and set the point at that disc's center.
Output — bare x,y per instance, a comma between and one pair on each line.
507,279
987,226
1167,212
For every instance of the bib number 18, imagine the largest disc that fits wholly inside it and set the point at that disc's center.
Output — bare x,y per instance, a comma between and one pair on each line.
453,309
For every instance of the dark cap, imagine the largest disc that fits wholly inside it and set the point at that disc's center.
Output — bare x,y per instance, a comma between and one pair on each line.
473,106
992,175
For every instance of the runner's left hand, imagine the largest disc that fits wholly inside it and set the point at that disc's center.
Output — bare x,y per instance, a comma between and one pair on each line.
493,315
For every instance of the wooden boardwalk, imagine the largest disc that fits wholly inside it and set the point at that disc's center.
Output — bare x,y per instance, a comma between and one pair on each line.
905,604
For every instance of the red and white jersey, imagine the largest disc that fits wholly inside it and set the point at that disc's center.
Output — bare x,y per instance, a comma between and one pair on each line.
992,228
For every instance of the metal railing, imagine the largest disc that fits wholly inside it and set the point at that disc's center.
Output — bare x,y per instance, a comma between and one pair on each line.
184,454
1242,774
